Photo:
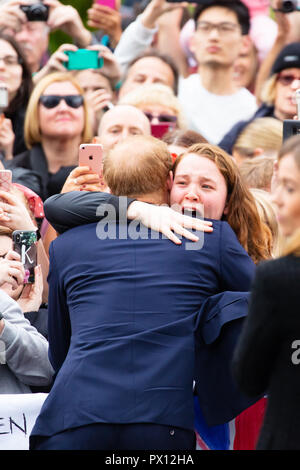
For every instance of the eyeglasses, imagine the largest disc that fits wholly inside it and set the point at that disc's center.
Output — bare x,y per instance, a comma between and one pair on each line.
51,101
161,117
288,79
11,60
223,29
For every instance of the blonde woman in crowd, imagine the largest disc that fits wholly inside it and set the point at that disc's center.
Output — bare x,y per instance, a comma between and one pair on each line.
263,136
267,356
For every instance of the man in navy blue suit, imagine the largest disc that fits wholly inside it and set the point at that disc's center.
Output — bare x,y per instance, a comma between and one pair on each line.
123,305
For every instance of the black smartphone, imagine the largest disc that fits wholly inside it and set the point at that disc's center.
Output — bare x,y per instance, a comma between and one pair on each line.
24,243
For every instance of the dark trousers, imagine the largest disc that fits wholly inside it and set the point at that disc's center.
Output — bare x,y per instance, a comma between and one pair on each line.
101,436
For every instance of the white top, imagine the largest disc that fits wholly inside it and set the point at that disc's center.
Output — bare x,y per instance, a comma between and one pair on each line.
213,115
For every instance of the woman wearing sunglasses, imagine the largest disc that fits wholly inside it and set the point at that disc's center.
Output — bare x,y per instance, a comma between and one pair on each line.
278,93
56,123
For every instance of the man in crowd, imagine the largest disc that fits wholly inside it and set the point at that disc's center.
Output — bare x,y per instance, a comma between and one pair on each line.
121,122
211,99
34,35
121,320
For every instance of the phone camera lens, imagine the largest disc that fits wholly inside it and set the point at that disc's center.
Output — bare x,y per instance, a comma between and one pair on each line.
91,157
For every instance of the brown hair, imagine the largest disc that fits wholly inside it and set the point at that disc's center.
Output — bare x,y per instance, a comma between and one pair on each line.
242,215
125,177
183,138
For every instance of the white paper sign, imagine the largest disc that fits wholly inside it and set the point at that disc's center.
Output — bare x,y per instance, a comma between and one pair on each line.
18,414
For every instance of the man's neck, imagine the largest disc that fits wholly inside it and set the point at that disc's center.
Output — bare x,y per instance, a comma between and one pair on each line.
217,80
61,152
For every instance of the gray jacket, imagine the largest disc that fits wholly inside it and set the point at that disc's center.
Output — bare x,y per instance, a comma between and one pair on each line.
23,351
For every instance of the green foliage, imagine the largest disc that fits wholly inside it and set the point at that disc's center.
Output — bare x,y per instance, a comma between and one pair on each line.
58,37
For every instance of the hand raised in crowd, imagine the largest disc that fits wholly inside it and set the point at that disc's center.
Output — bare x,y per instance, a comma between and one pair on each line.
288,23
31,297
165,220
11,16
82,179
55,62
11,270
13,213
7,137
67,19
156,8
106,19
111,67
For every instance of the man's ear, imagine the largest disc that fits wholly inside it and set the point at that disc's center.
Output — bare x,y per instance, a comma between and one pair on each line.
170,181
191,43
246,43
225,211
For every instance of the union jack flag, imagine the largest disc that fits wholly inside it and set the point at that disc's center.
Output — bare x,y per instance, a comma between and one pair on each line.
239,434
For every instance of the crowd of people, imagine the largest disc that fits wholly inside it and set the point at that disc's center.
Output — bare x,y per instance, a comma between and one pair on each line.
166,289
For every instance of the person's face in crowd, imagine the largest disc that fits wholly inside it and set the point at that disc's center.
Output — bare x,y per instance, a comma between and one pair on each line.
287,195
147,71
5,246
121,122
157,113
199,186
61,121
245,67
34,40
10,69
288,81
91,81
218,38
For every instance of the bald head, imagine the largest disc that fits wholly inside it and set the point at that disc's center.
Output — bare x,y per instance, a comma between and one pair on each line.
120,122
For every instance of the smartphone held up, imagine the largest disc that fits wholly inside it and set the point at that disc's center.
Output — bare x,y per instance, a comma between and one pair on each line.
24,243
292,126
107,3
91,155
83,59
3,97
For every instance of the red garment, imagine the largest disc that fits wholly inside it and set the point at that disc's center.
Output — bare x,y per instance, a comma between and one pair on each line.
248,425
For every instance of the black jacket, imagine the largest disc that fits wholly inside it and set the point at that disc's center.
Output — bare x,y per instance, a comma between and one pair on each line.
266,357
35,174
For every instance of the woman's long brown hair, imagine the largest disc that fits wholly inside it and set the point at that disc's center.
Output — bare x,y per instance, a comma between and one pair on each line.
242,214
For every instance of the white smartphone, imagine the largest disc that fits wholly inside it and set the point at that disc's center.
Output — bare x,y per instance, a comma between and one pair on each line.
3,97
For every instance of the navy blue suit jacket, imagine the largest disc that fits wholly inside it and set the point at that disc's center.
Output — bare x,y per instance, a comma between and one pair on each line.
122,314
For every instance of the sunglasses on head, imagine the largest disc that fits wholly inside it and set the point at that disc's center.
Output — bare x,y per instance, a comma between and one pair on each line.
161,117
51,101
286,80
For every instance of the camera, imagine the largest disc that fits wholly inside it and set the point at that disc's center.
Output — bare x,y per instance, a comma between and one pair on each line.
288,6
36,11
